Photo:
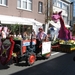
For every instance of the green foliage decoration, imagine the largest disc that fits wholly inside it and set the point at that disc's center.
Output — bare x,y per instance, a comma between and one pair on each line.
14,28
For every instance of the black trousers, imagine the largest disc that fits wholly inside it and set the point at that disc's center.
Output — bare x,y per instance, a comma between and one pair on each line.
38,46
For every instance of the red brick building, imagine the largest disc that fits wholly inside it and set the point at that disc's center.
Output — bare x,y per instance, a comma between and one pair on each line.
31,10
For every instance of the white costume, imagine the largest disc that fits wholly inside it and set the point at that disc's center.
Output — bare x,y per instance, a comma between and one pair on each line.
54,32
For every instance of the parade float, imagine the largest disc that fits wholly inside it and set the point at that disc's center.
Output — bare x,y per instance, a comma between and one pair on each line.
65,41
19,49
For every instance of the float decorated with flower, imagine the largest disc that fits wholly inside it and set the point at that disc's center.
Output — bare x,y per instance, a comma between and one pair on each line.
65,41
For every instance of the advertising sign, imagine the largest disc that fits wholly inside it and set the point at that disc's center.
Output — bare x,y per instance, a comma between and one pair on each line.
46,47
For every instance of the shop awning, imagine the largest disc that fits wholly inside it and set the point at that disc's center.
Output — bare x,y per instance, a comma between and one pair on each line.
57,25
18,20
13,20
35,22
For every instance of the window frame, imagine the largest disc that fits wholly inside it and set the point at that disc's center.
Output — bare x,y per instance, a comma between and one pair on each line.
55,2
59,4
21,4
65,6
40,7
3,2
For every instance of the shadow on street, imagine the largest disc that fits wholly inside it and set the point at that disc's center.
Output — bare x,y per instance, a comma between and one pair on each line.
63,65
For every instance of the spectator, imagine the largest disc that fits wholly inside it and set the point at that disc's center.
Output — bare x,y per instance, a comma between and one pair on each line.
8,32
33,34
3,33
11,35
14,35
25,36
19,35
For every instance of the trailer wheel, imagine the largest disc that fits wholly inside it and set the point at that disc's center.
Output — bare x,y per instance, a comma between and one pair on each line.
31,59
47,55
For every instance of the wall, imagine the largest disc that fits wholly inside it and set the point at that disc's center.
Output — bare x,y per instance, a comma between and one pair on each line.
12,10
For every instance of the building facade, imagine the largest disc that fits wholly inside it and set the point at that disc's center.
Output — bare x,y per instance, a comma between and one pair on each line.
64,6
23,8
73,4
57,6
32,10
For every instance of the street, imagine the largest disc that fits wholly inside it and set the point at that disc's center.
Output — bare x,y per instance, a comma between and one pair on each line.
58,64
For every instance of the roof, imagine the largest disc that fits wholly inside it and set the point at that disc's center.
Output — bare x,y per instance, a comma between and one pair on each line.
67,1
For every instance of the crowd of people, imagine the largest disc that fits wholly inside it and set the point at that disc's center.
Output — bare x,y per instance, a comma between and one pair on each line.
41,35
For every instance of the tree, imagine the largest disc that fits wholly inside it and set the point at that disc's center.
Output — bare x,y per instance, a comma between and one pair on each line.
14,28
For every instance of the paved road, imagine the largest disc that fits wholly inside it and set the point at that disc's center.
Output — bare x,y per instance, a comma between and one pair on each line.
58,64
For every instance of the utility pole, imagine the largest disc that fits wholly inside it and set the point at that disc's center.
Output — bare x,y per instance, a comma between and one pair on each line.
47,11
71,13
51,8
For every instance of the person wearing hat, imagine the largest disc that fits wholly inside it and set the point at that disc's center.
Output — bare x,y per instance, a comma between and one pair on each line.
41,36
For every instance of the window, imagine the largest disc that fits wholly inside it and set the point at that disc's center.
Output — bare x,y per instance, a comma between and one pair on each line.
64,6
59,4
55,2
29,4
24,4
40,7
19,3
3,2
